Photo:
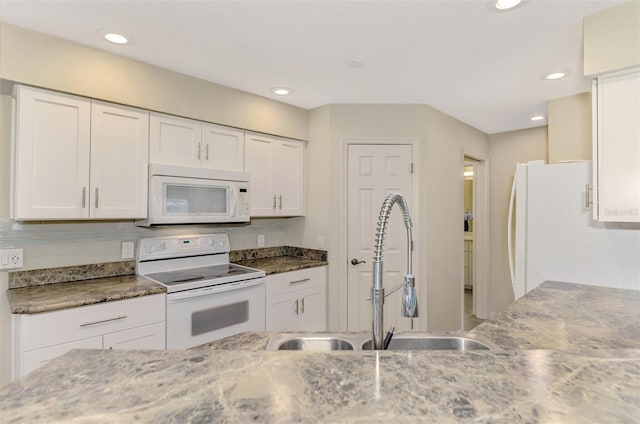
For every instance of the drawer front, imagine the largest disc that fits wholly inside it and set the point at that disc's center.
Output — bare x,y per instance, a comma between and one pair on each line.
35,358
295,280
150,337
52,328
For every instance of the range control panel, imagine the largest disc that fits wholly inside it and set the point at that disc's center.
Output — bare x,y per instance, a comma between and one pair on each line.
182,246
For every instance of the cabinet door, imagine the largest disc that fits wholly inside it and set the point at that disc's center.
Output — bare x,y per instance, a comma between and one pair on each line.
223,148
617,148
312,314
174,141
289,178
52,155
146,337
119,157
35,358
282,312
258,163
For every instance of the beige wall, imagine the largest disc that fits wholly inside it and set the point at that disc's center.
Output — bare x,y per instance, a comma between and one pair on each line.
570,131
506,150
612,39
37,59
437,210
5,315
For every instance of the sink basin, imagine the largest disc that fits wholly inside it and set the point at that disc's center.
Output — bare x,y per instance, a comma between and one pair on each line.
315,343
362,341
434,343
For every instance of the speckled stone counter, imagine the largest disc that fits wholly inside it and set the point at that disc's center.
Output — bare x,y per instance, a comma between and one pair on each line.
281,264
568,316
273,260
51,297
240,386
591,376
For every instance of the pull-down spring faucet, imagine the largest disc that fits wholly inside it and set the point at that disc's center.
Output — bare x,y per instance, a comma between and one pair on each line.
409,298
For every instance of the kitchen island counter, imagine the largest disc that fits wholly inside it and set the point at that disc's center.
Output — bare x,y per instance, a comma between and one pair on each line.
235,380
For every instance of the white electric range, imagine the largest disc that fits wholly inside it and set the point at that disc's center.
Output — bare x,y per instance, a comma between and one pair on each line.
208,298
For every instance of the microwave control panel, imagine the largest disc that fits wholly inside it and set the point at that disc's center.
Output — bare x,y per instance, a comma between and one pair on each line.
243,201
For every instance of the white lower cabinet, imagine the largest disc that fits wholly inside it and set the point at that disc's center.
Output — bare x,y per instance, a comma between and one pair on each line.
296,300
137,323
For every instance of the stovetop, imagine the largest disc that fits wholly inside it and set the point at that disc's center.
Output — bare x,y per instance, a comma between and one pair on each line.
215,272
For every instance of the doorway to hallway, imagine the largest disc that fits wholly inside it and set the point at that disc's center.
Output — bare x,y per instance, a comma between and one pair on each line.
474,286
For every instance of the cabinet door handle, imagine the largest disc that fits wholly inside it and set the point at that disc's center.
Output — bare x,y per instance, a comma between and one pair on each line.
96,197
588,200
304,280
206,152
302,305
84,197
198,150
280,201
86,324
296,306
274,201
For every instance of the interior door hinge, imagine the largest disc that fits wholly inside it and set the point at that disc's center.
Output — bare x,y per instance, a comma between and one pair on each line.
412,168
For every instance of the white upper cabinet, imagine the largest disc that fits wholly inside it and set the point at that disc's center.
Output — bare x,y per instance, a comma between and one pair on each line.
616,150
119,158
276,167
78,159
185,142
174,141
223,148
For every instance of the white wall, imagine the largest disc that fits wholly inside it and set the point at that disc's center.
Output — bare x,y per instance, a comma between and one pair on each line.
506,150
37,59
438,212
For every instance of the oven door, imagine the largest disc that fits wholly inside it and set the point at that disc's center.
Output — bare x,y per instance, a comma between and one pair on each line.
199,316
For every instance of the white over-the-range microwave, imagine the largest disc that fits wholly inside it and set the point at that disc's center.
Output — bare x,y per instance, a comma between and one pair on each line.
184,195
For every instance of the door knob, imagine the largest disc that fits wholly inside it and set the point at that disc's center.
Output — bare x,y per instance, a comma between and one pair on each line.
354,261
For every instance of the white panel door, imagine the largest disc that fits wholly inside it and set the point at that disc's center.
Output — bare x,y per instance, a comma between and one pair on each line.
223,148
52,155
289,169
175,141
374,172
119,157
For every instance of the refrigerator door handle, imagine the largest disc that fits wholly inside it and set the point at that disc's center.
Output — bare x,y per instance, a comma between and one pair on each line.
510,252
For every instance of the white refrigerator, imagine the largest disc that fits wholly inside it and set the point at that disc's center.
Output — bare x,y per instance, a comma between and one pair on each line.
552,234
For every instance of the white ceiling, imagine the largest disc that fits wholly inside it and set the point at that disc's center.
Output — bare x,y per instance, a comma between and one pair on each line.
480,66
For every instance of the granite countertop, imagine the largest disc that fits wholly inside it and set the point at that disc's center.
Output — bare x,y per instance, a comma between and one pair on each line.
279,264
51,297
591,375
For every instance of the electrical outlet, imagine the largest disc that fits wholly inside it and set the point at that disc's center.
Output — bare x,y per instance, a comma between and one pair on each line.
127,249
261,240
11,258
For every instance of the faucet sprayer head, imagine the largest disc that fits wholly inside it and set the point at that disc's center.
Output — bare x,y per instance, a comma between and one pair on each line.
409,298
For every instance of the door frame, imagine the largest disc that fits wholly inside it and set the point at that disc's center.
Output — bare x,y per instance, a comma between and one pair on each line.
415,212
481,235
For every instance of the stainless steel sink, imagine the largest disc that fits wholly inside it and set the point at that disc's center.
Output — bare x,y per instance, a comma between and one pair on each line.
362,341
316,343
434,343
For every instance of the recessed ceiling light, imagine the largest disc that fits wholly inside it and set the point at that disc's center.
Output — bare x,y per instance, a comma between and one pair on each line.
115,36
468,173
537,118
507,4
555,75
282,91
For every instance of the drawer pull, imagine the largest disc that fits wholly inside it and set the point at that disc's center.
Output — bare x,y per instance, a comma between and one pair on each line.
304,280
86,324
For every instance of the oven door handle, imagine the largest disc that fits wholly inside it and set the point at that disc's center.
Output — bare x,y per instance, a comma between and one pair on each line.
206,291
